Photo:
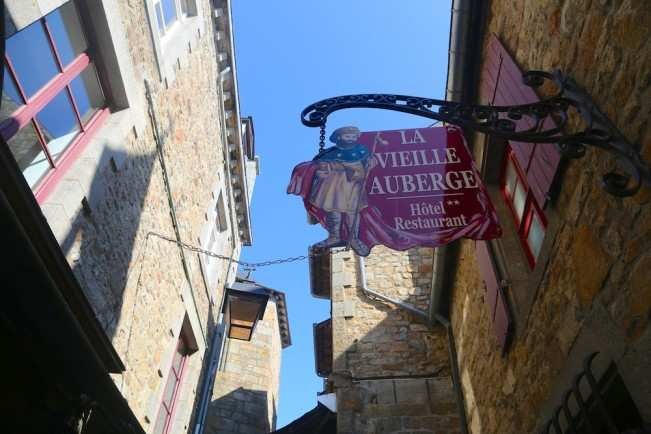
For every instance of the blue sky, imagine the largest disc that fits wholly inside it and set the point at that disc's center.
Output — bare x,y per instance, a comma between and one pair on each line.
289,54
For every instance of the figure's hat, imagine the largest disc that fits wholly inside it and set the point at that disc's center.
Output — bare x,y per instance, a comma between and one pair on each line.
343,130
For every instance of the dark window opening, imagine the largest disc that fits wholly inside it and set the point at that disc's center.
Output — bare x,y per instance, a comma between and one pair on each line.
596,407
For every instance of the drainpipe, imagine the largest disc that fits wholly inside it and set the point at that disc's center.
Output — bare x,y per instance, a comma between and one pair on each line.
217,344
460,73
456,377
216,348
452,349
460,20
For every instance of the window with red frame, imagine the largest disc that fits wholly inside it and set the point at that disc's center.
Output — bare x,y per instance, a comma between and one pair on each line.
529,218
170,394
52,101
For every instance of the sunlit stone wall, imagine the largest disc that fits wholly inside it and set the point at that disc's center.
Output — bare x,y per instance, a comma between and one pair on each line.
391,370
591,292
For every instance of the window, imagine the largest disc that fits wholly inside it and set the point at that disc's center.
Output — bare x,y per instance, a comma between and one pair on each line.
596,406
220,218
220,225
175,26
216,238
52,100
171,391
170,12
529,218
167,12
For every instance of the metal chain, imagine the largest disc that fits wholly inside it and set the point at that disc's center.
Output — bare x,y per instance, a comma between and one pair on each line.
322,137
247,265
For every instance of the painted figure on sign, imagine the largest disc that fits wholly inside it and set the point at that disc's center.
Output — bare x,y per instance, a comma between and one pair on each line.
338,188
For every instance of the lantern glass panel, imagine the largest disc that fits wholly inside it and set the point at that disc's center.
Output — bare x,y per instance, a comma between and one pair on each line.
238,332
244,310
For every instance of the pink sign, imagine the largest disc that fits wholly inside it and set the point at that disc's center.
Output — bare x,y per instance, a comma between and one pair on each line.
400,188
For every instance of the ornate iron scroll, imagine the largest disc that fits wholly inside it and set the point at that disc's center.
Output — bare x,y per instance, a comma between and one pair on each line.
502,121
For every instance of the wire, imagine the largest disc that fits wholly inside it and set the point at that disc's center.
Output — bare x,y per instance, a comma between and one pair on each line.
247,265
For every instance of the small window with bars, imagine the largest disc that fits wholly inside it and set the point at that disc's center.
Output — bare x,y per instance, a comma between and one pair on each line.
592,406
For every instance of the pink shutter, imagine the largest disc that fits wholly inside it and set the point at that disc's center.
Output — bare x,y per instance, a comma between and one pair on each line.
488,273
502,321
323,347
542,169
541,161
495,299
490,73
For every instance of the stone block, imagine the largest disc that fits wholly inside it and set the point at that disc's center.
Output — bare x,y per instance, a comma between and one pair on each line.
385,425
590,263
411,391
383,390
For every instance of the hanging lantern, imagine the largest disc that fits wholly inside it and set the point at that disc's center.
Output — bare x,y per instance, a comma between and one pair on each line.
242,311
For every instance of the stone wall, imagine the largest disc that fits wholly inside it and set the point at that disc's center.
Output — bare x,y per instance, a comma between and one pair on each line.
245,395
135,281
591,290
391,371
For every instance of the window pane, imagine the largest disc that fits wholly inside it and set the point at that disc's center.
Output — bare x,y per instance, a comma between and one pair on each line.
32,59
159,428
177,362
11,99
168,394
184,7
188,7
536,235
58,124
222,223
87,93
519,199
26,149
67,33
169,12
510,178
159,18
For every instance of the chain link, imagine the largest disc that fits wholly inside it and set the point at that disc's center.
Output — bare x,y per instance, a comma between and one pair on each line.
322,137
247,265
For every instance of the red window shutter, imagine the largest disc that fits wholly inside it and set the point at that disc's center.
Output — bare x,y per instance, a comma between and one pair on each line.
488,273
490,72
498,308
323,347
540,162
502,321
542,169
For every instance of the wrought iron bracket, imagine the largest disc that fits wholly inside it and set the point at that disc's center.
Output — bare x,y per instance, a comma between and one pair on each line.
544,121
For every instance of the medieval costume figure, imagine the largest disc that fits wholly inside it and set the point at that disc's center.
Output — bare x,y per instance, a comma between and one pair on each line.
338,188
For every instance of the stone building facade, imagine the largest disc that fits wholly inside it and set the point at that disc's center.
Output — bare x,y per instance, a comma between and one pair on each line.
246,392
156,154
388,368
588,290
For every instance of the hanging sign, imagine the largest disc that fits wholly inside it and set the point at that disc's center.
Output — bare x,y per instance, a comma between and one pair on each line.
400,188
